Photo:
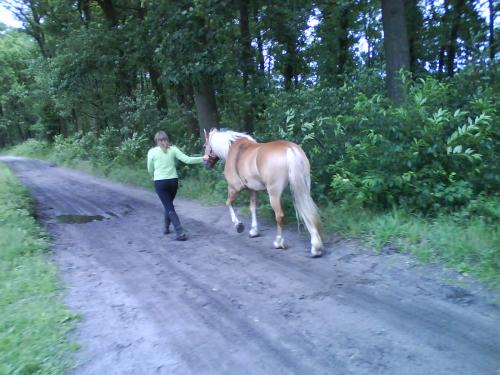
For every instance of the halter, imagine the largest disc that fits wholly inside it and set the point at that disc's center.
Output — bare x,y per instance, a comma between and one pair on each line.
212,157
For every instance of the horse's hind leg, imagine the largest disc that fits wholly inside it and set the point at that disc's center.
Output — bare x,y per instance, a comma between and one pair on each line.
231,196
279,241
254,231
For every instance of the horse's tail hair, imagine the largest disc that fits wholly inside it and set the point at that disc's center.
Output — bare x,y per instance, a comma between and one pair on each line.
300,184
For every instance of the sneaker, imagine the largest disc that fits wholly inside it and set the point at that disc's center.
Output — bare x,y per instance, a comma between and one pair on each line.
181,237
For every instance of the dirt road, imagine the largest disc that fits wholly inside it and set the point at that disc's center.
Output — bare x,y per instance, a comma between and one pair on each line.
222,303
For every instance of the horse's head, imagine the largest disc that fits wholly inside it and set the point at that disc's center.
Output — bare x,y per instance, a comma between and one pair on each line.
208,151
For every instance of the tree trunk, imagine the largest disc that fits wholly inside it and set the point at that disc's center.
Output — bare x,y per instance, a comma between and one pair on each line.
288,71
414,22
206,106
185,98
84,10
452,42
35,27
20,131
491,27
161,100
260,45
370,44
109,11
245,43
125,81
246,64
343,42
441,61
154,72
396,49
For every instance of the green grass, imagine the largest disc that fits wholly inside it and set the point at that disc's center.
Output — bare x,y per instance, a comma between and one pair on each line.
30,148
33,322
468,242
471,245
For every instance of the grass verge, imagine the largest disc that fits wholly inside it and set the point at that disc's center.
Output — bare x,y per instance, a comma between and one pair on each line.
470,245
33,322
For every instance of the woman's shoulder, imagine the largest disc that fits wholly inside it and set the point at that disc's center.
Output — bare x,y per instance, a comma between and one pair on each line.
153,150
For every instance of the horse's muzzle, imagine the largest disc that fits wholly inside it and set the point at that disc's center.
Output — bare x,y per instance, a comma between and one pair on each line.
210,163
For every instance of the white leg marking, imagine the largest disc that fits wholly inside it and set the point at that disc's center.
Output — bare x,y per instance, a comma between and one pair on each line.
254,231
279,243
234,219
316,244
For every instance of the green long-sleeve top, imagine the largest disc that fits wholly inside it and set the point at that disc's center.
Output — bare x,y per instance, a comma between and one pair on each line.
161,165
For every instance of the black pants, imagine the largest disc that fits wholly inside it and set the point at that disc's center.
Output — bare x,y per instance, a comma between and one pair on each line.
166,190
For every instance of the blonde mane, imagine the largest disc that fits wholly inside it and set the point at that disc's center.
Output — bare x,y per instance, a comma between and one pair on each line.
221,141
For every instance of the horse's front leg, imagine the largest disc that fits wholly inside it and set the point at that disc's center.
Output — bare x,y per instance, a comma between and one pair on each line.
279,241
231,196
254,231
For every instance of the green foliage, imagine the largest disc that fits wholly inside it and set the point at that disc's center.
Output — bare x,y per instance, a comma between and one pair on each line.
16,116
33,323
208,186
31,148
108,149
139,114
192,33
132,149
420,155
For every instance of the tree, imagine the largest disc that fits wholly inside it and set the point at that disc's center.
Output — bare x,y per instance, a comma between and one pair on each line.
335,39
456,13
397,55
285,24
16,116
491,27
189,49
247,63
414,23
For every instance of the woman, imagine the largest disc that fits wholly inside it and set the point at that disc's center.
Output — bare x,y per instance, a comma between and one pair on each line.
161,167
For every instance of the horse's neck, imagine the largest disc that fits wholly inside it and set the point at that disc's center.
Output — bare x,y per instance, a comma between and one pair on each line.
242,143
245,140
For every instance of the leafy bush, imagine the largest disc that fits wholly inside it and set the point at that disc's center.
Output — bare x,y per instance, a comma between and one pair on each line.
439,150
31,148
77,147
132,149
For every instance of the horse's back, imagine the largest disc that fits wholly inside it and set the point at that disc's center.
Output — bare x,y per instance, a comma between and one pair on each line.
261,166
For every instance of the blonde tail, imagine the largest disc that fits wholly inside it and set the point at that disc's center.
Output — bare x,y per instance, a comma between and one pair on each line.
300,185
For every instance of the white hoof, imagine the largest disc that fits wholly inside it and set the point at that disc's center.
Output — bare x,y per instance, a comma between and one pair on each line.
316,245
279,243
254,232
316,253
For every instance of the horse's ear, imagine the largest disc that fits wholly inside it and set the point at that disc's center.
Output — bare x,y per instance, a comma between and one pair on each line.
206,134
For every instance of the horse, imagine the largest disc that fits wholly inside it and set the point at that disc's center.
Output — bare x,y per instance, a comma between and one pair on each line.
268,166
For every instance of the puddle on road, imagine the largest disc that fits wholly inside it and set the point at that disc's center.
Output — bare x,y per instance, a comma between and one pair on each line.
78,219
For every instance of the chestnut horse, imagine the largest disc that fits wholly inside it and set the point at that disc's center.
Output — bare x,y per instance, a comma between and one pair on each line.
269,166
